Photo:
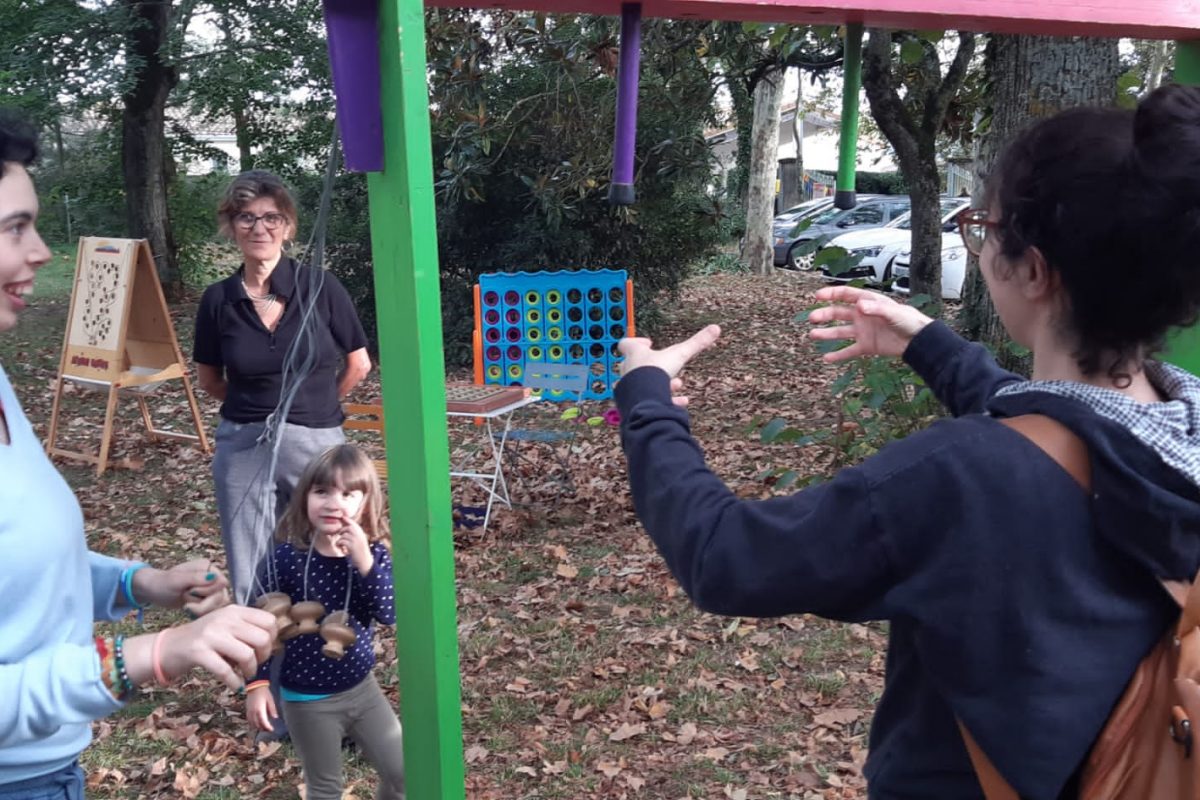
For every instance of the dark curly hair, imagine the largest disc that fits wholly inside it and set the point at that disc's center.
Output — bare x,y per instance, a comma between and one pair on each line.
1111,198
18,140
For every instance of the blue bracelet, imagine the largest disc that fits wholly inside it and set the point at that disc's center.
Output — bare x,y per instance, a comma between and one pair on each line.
127,586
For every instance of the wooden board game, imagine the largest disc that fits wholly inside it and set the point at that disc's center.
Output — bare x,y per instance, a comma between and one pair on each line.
469,398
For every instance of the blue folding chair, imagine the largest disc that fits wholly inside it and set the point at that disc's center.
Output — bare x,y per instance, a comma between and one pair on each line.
555,382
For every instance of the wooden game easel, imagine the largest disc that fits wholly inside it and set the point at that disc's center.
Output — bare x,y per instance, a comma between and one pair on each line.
119,338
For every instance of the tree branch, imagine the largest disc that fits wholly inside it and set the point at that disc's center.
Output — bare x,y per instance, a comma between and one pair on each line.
939,99
890,114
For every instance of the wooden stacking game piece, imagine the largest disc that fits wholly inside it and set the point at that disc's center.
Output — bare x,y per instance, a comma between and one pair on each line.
338,634
279,604
306,616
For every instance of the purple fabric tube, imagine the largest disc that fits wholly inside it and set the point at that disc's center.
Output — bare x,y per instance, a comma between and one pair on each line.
353,31
620,191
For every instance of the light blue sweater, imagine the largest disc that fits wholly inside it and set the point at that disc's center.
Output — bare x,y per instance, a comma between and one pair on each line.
51,589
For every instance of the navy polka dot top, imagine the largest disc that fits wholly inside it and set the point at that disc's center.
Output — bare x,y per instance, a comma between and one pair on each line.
305,669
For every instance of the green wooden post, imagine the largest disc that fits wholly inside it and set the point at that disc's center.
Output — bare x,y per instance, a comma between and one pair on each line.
1183,349
408,303
848,140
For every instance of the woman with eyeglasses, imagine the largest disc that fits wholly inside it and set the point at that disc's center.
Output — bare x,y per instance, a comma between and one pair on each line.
1021,592
273,325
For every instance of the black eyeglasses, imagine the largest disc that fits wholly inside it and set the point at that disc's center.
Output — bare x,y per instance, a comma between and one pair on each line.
246,221
973,224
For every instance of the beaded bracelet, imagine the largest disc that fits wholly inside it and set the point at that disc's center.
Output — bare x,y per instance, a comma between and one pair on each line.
112,666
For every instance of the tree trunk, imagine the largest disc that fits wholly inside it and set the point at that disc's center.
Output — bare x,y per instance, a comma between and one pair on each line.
798,131
241,130
1158,64
914,138
241,122
924,188
743,121
1031,77
143,138
764,159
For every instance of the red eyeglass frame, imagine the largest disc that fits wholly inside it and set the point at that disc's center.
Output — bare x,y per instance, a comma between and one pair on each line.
974,216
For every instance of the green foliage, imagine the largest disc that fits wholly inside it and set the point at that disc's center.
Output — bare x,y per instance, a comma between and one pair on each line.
721,263
877,401
265,74
83,183
523,119
193,204
880,183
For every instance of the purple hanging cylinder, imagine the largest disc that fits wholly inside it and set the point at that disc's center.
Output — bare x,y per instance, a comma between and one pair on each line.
620,191
352,28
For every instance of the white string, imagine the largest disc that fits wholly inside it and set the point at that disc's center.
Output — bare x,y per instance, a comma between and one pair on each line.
298,364
349,577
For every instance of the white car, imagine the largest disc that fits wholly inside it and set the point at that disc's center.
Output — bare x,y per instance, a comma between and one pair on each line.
954,268
877,248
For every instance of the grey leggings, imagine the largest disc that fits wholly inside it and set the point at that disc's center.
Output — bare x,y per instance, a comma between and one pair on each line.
363,713
248,507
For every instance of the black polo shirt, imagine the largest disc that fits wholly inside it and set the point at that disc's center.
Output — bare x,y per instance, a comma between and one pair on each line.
231,337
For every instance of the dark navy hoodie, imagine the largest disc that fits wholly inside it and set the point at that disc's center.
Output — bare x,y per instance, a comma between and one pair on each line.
1017,602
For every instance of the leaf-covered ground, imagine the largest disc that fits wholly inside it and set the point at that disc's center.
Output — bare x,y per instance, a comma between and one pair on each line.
585,671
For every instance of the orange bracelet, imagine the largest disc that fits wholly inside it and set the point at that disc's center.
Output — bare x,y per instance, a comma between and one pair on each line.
255,685
156,658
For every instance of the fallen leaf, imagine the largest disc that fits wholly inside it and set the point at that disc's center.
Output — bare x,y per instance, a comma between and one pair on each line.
627,731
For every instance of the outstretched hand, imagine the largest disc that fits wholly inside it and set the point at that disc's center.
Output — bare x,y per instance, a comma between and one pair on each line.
639,352
877,324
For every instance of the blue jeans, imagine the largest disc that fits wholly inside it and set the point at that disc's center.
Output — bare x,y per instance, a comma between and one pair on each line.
65,784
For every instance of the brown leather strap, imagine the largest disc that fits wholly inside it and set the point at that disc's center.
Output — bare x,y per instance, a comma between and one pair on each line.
1070,453
994,785
1058,442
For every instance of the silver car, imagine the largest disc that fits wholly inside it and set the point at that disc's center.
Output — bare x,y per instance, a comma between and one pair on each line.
872,211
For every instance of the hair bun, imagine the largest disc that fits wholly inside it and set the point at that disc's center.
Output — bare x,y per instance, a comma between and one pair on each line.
1166,137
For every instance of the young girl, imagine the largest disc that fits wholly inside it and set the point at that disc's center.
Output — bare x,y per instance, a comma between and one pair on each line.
332,551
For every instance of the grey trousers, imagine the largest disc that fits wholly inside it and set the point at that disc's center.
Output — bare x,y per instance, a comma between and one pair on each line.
365,715
247,505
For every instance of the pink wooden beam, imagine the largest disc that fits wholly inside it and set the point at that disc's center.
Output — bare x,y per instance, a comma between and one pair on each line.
1139,19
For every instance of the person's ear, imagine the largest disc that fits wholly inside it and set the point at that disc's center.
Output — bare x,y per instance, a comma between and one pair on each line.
1038,280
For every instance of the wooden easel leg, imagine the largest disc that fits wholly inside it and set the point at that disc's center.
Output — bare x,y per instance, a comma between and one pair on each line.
145,409
187,387
52,435
106,434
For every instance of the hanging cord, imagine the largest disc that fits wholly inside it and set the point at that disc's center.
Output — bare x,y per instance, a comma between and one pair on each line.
298,364
349,577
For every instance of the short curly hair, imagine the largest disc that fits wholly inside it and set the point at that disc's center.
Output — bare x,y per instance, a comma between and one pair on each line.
1111,198
247,187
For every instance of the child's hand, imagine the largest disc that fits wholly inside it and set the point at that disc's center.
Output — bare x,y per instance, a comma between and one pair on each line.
260,708
195,585
352,541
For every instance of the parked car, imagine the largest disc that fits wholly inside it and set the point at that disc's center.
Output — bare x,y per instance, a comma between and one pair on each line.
783,224
878,247
796,213
872,211
954,268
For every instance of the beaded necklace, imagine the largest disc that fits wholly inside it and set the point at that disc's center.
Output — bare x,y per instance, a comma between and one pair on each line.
263,302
